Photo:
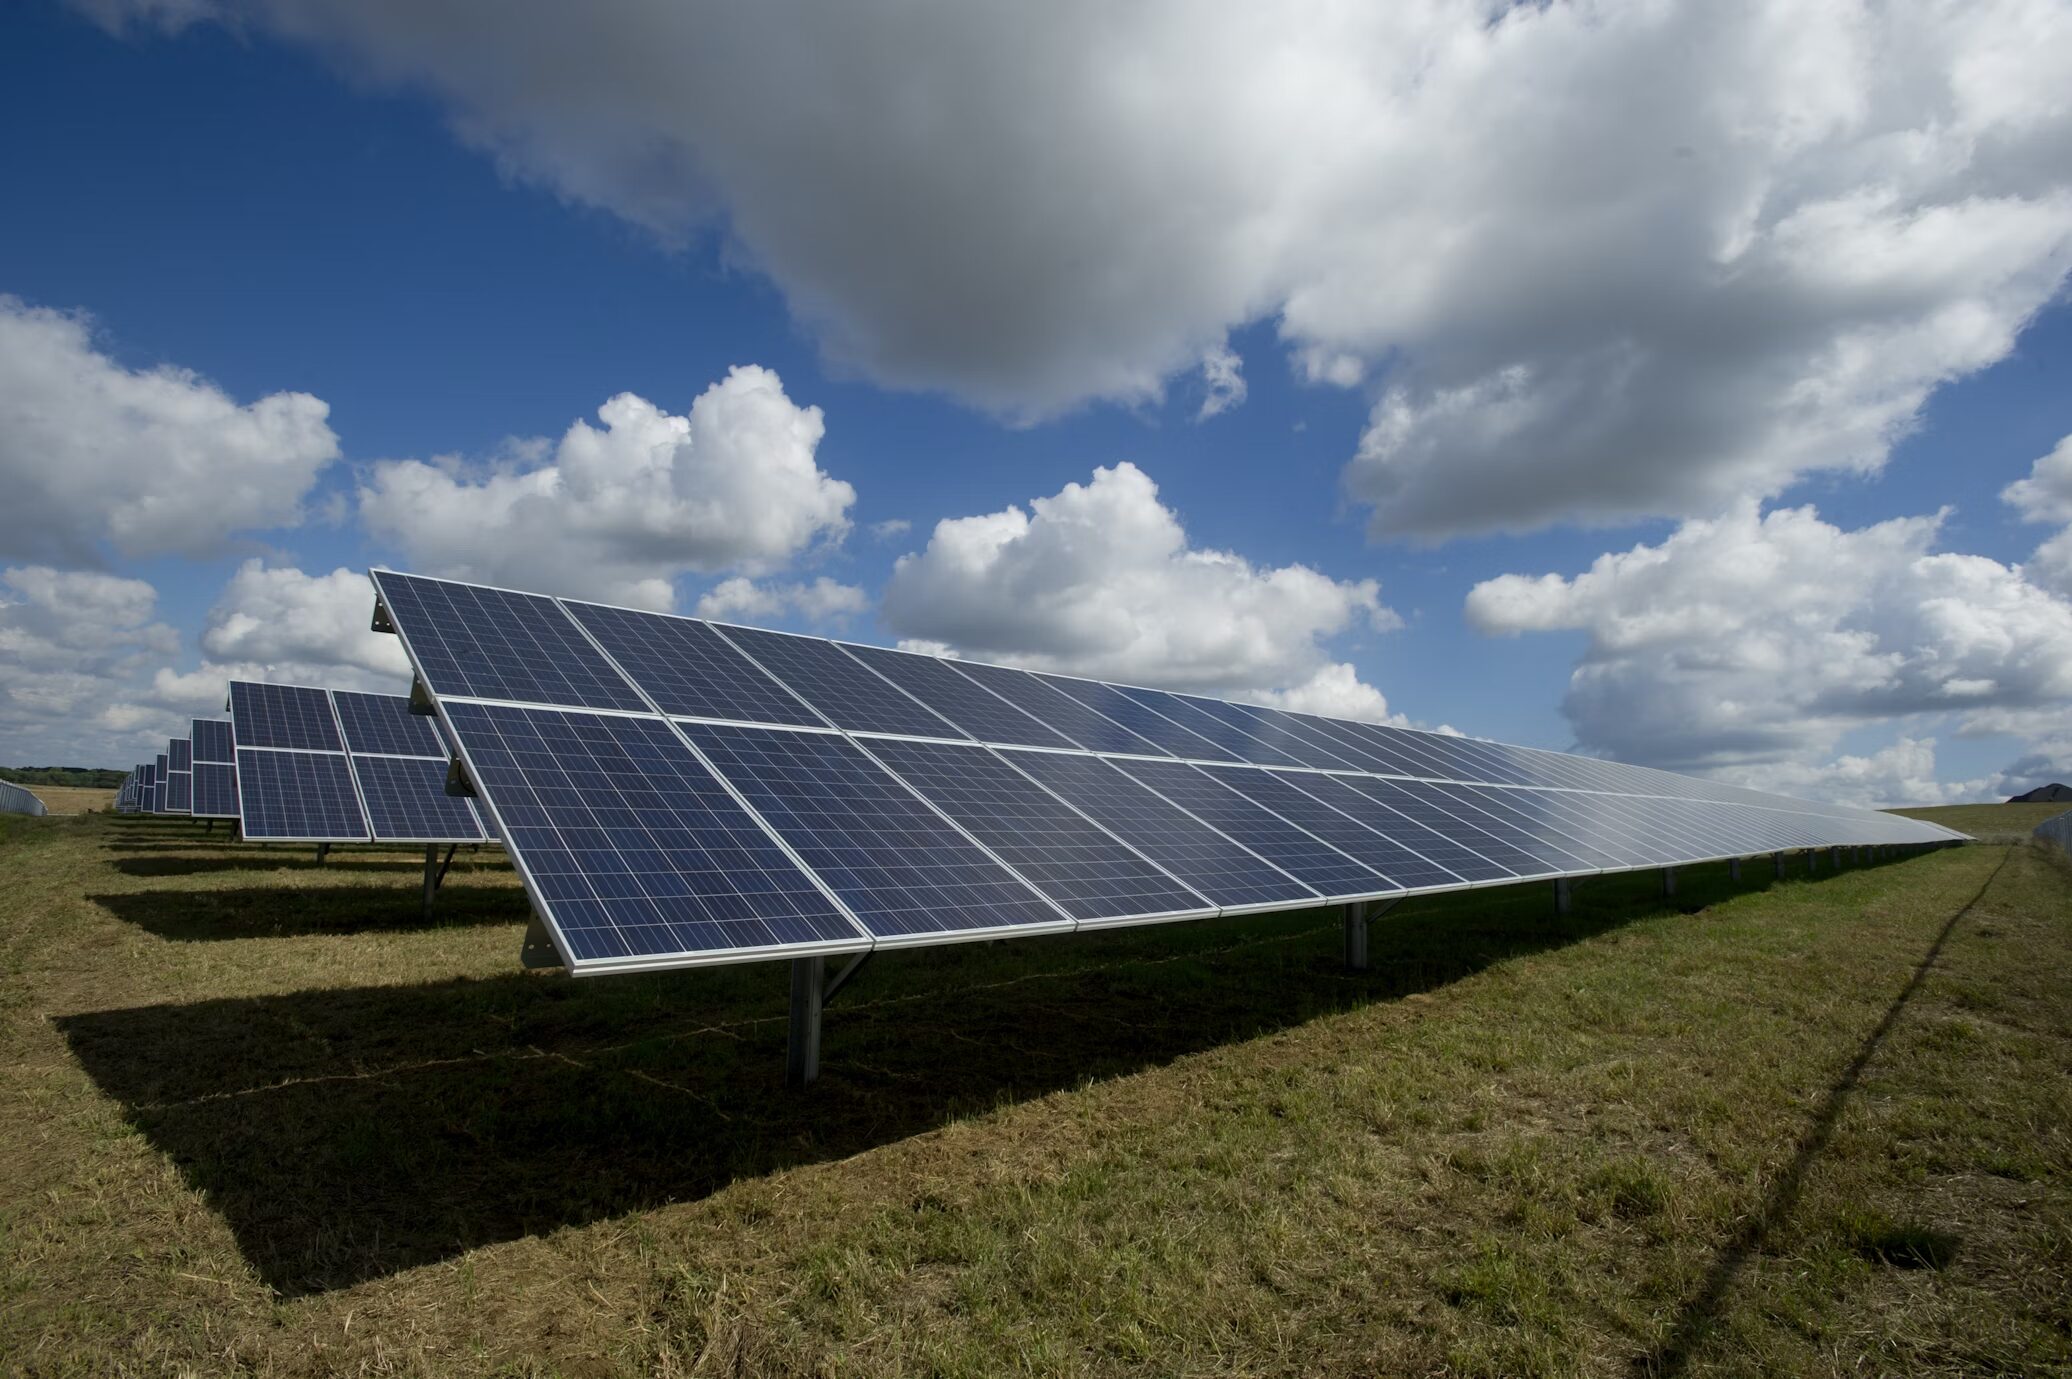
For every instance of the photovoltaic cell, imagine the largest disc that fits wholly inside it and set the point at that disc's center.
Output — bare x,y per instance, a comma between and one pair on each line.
1059,712
1409,800
689,669
296,716
1294,850
1112,703
383,723
180,754
1236,742
407,802
900,867
1049,844
845,692
1441,844
979,712
634,851
179,792
1277,731
1399,858
159,783
290,796
215,790
1209,862
211,737
495,644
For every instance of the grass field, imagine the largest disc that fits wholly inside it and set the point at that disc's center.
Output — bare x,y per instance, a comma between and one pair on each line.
1994,822
259,1117
70,799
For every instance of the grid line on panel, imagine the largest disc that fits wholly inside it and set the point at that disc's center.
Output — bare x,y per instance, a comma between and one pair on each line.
1401,860
633,847
1493,839
1294,850
383,725
212,740
1051,845
292,716
1278,730
901,868
1446,846
215,790
406,799
495,644
1227,873
180,754
687,668
1112,703
1061,713
1545,810
1238,742
842,689
1323,731
963,701
1475,803
179,792
298,796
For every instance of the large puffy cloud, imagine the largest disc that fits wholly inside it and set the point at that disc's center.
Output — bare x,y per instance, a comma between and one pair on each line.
1749,644
1099,579
1591,259
619,512
2046,496
151,461
822,601
279,616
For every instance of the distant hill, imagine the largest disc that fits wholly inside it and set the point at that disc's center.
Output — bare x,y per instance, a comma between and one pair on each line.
88,777
2045,794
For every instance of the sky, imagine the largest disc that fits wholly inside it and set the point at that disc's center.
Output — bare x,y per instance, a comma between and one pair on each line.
1679,383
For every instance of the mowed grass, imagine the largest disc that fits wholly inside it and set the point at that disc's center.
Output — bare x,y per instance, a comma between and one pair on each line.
1988,822
72,799
260,1117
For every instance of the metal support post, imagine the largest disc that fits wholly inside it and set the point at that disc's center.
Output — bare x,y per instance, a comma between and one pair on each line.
1834,859
1564,896
1356,936
1668,882
431,876
802,1050
1812,860
323,851
1734,869
1777,865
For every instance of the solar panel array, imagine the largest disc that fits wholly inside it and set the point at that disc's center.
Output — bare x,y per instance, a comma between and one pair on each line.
336,766
676,792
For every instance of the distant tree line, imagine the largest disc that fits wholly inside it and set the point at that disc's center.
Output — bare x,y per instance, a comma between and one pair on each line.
86,777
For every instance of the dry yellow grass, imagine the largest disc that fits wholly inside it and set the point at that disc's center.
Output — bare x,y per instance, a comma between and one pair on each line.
72,799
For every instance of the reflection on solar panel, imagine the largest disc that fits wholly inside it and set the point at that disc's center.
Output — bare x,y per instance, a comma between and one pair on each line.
297,797
296,716
383,723
747,793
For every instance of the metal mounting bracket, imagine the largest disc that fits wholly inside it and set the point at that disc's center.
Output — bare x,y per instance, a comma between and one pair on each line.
420,698
537,951
457,782
381,619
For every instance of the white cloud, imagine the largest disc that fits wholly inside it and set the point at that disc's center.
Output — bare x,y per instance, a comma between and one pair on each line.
891,529
281,616
1751,643
1222,374
149,461
1593,260
2046,496
618,513
70,642
823,601
1903,773
1099,579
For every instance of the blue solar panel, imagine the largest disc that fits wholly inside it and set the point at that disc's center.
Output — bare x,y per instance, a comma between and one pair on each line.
407,802
180,754
689,669
383,723
845,692
1236,743
493,644
1111,702
215,790
978,711
298,797
633,850
1444,848
1409,799
1049,844
179,792
283,716
1490,808
1400,859
1302,855
1211,863
212,740
1337,751
1058,712
898,865
158,784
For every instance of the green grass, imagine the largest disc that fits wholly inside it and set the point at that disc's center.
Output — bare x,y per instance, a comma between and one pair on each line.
259,1117
1988,822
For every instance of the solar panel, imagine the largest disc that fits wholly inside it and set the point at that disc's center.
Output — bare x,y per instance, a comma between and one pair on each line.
297,716
297,797
384,724
179,792
180,754
633,853
158,784
972,800
496,644
688,669
215,790
212,740
845,691
1304,856
407,802
977,710
1222,870
1082,867
900,867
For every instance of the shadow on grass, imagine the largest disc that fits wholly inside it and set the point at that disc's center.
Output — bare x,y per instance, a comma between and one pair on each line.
347,1134
342,865
296,911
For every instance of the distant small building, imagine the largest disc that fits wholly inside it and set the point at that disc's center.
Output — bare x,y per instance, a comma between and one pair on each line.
2045,794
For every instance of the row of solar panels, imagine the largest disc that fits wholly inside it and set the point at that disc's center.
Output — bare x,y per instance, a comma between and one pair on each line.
676,792
300,764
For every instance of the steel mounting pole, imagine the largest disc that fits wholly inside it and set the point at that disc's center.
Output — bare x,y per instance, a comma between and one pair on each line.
808,994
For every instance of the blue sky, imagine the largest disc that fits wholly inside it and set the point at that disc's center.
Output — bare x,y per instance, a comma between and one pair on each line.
440,242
